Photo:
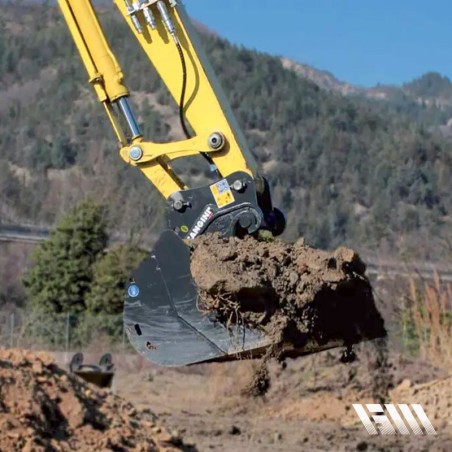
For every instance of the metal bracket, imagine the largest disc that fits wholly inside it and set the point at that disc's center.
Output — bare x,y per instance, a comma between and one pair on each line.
135,7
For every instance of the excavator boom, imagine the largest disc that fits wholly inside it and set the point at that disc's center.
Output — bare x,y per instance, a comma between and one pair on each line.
160,312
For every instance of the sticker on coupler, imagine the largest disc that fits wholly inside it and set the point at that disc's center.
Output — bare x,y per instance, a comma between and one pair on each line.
222,193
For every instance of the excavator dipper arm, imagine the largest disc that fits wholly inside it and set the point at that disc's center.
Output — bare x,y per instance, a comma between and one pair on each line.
160,313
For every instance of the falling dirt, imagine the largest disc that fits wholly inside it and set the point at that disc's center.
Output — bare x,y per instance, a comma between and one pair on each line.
43,408
380,371
294,293
260,381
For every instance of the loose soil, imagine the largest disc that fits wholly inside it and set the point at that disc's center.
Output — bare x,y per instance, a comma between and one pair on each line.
44,408
293,293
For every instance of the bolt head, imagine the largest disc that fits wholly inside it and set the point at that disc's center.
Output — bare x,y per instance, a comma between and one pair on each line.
178,205
216,141
238,185
135,153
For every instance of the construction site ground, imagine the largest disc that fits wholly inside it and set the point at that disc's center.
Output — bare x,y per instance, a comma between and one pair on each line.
308,406
204,407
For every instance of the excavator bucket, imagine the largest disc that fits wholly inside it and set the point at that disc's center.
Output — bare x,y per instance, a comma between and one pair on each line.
101,375
162,318
165,325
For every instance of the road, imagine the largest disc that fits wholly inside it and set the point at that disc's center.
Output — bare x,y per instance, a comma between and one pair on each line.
375,267
25,234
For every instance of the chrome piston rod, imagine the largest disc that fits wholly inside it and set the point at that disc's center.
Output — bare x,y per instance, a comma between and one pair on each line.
129,116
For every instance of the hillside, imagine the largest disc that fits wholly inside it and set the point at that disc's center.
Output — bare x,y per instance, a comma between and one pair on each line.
344,171
431,88
426,100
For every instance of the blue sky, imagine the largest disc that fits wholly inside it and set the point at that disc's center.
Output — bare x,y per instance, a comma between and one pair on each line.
364,42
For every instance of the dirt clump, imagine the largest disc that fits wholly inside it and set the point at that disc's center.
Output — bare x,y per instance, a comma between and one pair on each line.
434,396
293,293
44,408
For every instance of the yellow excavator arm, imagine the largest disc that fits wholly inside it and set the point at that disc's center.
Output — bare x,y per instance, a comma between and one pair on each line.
160,313
168,39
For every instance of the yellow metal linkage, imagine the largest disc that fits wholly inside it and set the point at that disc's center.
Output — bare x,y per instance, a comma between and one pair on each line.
206,107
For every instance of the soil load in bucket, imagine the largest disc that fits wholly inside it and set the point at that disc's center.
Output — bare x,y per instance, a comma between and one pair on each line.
304,298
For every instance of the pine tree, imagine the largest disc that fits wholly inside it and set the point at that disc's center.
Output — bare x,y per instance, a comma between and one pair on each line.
62,270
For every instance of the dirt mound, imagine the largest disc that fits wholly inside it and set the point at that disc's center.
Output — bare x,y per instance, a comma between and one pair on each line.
296,294
435,397
43,408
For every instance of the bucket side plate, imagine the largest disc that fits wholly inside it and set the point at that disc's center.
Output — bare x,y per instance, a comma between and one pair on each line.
161,316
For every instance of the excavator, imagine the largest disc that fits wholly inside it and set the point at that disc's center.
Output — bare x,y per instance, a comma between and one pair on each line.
161,316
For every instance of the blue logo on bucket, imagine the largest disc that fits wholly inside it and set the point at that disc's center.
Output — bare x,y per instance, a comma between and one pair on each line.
133,290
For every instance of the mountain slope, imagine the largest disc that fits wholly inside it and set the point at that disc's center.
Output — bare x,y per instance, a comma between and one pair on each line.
343,170
426,100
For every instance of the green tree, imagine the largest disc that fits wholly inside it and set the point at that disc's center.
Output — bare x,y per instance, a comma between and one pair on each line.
62,270
109,280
